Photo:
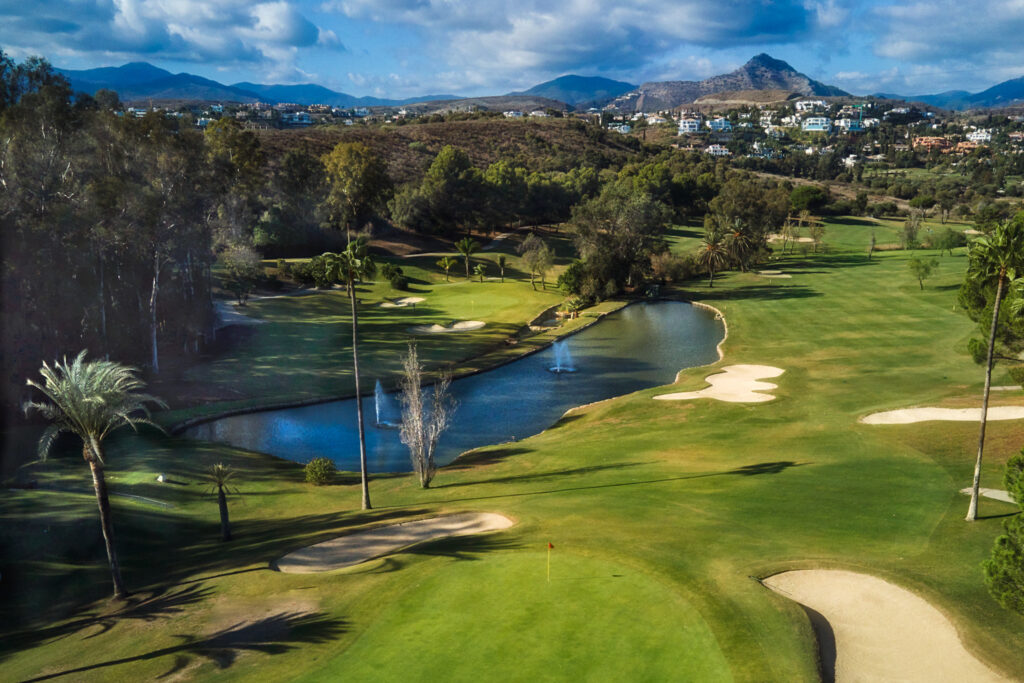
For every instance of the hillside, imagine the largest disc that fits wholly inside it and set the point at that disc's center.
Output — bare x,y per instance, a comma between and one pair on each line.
524,103
538,144
739,98
580,90
143,81
760,73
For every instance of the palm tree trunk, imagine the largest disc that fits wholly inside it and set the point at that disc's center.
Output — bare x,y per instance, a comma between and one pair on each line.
99,484
359,396
225,523
972,510
467,266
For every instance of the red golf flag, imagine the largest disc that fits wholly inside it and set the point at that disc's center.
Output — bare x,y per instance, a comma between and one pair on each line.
550,547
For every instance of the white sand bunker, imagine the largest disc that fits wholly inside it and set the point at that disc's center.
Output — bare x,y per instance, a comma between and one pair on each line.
403,302
460,326
910,415
881,631
361,546
776,237
736,384
994,494
774,274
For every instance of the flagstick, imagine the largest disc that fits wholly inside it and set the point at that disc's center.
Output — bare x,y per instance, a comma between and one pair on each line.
549,563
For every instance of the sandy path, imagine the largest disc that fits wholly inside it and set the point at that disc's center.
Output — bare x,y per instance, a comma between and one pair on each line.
994,494
736,384
461,326
881,632
361,546
911,415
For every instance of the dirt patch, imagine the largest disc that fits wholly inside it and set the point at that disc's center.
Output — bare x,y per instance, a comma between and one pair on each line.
880,632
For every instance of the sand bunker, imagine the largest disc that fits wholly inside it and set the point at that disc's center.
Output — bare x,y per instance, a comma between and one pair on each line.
460,326
881,632
994,494
736,384
361,546
774,274
910,415
776,237
403,302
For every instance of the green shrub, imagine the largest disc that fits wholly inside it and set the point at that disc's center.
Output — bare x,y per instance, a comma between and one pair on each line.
320,471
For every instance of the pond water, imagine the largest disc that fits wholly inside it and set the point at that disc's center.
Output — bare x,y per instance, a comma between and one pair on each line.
641,346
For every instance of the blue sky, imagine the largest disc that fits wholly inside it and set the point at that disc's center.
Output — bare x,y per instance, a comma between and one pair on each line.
400,48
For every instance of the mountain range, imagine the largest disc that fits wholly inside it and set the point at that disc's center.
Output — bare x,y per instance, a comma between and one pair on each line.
140,81
1003,94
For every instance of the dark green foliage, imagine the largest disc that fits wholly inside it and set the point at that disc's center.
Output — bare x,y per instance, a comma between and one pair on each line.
1013,478
809,198
922,268
320,471
1004,571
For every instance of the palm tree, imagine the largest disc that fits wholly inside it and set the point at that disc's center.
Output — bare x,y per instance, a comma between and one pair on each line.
467,246
220,476
352,265
480,270
712,255
502,261
739,245
997,257
90,400
446,264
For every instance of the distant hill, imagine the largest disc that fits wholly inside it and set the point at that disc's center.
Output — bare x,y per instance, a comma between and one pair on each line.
1003,94
523,103
760,73
580,90
142,81
310,93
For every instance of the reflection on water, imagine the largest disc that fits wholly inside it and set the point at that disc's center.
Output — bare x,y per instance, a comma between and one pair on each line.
643,345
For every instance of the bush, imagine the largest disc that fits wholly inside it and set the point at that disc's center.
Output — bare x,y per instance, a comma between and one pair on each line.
320,471
400,282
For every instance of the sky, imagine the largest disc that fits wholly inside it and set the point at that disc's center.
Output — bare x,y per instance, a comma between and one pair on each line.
405,48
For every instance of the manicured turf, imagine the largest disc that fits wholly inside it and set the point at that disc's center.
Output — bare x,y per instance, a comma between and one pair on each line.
662,514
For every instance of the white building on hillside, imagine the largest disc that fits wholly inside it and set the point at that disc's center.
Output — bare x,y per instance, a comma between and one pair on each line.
980,135
810,105
717,151
689,126
817,124
720,125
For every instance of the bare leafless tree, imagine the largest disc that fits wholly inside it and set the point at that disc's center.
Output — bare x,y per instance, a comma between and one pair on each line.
421,427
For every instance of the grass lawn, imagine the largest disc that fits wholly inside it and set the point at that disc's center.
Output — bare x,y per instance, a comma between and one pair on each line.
662,514
303,348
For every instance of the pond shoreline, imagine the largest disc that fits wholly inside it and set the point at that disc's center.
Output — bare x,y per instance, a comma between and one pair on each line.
667,363
176,428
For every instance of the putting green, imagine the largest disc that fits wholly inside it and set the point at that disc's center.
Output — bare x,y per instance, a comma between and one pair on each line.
500,619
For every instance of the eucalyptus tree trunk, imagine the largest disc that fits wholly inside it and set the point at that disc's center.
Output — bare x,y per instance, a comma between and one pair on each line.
359,395
154,357
99,484
225,523
972,510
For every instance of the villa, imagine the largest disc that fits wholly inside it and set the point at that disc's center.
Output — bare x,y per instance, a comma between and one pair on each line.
720,125
689,126
817,124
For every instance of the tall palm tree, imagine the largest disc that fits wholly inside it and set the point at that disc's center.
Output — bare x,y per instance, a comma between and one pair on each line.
997,257
352,265
467,246
712,255
90,400
220,478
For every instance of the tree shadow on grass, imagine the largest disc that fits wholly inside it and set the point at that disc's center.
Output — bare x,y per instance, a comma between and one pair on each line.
490,456
757,469
545,475
147,606
276,634
753,293
464,547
